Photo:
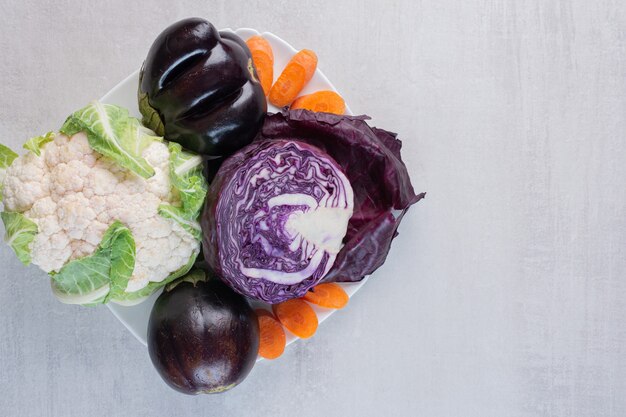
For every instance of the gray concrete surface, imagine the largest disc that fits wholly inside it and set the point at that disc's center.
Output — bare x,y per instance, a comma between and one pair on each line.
505,294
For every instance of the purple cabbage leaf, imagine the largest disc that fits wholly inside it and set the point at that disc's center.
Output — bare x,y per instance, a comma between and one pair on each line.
315,197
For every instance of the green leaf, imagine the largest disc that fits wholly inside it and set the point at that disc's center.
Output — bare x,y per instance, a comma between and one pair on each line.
132,298
193,277
34,144
189,182
122,260
139,136
90,299
85,280
20,232
113,133
97,302
186,176
178,215
7,156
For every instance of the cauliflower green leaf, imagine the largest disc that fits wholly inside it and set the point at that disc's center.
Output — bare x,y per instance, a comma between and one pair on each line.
20,232
34,144
122,259
189,182
7,156
177,214
139,136
113,133
193,277
132,298
186,176
101,275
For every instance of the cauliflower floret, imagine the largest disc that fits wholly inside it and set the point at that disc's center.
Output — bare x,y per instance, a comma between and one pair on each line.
75,215
74,194
139,280
157,155
50,253
42,208
25,182
49,225
98,204
81,248
101,181
132,184
63,150
139,207
159,184
179,244
61,140
94,232
67,178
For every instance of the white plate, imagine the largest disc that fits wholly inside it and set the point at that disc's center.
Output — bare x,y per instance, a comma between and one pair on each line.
124,94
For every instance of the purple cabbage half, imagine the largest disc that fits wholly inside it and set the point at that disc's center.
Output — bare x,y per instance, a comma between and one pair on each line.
315,197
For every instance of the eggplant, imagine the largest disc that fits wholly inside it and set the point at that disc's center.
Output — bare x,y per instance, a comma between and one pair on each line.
199,87
202,336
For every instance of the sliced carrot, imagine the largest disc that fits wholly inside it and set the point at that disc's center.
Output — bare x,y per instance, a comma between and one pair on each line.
294,77
272,339
321,101
263,58
329,295
297,316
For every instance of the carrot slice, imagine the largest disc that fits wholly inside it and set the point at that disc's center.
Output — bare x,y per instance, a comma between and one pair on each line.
272,339
297,316
321,101
263,58
294,77
329,295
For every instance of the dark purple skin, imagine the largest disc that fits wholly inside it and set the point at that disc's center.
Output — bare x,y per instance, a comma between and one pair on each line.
198,87
202,337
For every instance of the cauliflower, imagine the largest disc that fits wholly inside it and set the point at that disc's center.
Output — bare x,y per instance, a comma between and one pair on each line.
106,208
